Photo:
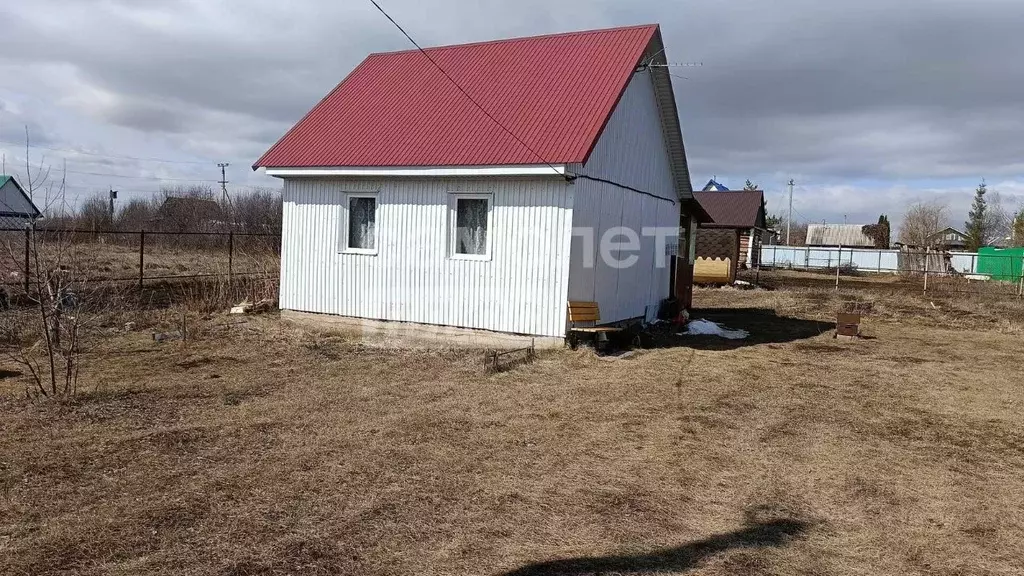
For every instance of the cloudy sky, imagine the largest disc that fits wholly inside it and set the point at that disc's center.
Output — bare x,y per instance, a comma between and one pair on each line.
868,104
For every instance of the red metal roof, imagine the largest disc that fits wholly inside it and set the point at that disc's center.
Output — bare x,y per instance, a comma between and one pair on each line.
555,93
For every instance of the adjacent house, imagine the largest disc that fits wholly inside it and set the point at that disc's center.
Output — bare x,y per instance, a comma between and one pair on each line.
947,239
713,186
16,208
838,235
737,229
484,196
189,214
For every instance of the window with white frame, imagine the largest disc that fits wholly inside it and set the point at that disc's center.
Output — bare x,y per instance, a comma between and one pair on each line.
470,224
361,224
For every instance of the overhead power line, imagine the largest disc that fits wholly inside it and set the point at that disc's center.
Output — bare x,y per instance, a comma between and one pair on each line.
677,65
461,89
495,120
128,176
114,156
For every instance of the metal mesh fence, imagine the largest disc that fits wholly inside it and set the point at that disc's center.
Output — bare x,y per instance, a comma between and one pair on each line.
116,257
990,273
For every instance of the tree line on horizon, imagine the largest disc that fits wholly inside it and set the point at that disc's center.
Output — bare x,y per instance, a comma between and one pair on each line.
988,223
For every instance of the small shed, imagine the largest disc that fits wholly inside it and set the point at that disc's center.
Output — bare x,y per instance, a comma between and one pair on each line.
737,228
838,235
16,208
486,197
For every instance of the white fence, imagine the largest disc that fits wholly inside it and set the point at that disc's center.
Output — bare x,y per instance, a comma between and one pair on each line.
861,259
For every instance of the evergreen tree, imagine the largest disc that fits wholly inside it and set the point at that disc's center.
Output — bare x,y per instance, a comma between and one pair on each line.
977,224
750,186
880,232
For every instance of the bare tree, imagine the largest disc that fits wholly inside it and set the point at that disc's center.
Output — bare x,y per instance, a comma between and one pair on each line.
45,338
258,211
998,221
1018,228
137,214
797,232
921,220
94,214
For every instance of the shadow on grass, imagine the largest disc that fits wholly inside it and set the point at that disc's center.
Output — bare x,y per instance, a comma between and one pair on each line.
771,533
763,324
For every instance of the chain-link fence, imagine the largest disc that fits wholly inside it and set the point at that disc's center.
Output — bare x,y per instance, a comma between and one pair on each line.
991,272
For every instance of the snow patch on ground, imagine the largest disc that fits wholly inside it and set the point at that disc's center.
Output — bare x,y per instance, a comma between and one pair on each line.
709,328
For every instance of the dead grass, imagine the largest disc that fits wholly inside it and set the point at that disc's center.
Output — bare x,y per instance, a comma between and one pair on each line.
103,261
260,449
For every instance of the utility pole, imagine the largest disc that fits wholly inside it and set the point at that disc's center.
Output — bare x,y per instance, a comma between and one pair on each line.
789,219
224,183
113,196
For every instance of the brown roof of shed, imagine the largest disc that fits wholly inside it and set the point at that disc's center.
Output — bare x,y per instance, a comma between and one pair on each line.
733,209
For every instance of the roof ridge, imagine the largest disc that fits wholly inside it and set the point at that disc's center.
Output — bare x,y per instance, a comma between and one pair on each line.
518,38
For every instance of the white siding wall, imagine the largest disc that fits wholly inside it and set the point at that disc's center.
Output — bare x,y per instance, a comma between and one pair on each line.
631,151
521,289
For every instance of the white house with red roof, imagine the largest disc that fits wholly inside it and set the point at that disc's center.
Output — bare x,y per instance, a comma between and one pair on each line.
457,190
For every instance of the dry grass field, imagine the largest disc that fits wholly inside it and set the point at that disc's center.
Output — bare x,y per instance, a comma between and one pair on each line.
116,257
260,449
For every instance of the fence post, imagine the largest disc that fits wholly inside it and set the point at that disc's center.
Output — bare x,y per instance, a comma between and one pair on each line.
1020,288
879,261
839,265
926,271
142,258
28,240
231,256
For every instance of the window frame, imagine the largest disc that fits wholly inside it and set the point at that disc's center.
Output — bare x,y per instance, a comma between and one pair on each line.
346,220
453,215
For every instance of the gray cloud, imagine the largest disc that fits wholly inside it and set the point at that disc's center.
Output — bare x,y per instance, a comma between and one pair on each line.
832,92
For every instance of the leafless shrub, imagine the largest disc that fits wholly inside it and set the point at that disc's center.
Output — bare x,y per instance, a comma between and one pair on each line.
257,212
922,220
46,338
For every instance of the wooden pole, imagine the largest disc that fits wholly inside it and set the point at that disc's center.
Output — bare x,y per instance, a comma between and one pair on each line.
28,242
839,265
142,258
926,271
231,255
1020,288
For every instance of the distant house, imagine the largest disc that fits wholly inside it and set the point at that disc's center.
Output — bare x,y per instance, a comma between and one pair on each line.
187,214
408,208
713,186
947,239
738,228
16,208
836,235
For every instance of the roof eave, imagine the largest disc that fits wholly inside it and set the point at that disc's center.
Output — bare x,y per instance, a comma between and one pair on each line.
417,171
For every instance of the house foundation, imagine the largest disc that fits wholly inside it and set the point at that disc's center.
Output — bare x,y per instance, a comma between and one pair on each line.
412,335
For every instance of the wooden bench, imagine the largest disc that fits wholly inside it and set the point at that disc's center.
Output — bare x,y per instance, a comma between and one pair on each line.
588,313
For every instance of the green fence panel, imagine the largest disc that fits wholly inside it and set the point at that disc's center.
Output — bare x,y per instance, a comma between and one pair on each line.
1001,263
